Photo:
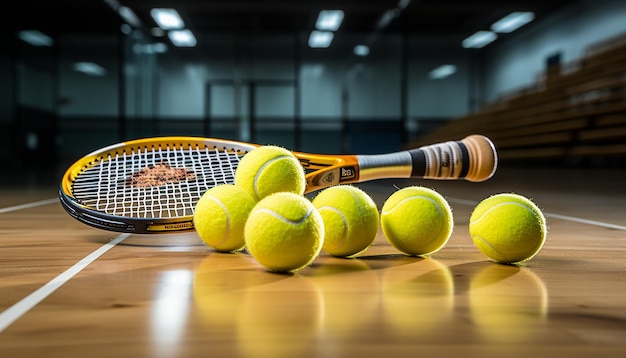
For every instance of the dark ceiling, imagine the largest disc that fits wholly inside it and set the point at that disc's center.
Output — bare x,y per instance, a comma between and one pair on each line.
427,17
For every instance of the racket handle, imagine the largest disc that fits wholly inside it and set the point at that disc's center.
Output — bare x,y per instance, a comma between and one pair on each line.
473,158
483,158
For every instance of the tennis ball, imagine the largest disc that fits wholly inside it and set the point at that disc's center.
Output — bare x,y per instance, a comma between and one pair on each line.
284,232
417,220
220,215
508,228
270,169
350,220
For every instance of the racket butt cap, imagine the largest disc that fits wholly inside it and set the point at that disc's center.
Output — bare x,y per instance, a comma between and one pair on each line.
483,157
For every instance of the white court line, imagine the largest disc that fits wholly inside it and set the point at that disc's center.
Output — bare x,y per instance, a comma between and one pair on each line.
29,205
16,311
585,221
554,216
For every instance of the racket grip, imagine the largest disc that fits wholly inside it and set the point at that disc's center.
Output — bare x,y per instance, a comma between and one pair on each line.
474,158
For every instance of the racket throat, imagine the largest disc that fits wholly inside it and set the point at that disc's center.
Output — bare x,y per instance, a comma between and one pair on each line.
380,166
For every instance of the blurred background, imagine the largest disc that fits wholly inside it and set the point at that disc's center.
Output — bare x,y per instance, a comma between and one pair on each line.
375,76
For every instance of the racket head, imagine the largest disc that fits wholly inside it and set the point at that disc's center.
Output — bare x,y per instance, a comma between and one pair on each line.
148,185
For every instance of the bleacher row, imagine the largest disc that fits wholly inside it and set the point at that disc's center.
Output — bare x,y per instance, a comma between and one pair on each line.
577,110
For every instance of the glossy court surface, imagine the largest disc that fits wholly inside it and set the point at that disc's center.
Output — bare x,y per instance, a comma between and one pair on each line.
69,290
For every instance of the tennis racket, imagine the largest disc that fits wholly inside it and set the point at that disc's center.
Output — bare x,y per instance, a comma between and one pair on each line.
152,185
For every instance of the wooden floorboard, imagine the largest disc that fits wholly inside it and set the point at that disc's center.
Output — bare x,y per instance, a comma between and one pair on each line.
171,296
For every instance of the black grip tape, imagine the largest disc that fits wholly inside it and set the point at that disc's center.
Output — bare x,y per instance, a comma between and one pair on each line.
418,159
465,162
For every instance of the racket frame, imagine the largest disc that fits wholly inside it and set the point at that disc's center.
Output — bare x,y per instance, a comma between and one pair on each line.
475,160
138,225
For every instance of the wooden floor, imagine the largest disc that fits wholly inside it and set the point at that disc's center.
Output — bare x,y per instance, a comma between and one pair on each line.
171,296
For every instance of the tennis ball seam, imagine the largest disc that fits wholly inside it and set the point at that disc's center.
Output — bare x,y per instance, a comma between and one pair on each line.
506,258
435,202
343,218
284,219
227,213
502,204
262,168
351,220
357,203
356,200
284,232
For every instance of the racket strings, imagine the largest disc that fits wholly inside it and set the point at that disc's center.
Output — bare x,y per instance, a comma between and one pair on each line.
108,186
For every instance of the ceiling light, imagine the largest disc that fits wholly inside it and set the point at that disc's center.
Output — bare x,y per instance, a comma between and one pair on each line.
126,29
442,71
129,16
329,20
36,38
182,38
512,22
159,47
402,4
157,32
114,4
386,18
320,39
479,39
90,69
167,19
361,50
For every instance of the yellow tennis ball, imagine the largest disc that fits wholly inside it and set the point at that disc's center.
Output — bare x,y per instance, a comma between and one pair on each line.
284,232
350,220
220,216
270,169
417,220
508,228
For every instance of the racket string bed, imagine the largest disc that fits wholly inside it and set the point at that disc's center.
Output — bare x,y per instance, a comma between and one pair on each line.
127,197
148,195
168,193
107,185
179,196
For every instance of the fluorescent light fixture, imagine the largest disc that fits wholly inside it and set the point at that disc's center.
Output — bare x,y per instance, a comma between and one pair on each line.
442,71
157,32
182,38
320,39
167,19
129,16
361,50
512,21
386,18
159,47
403,4
329,20
480,39
90,69
126,29
36,38
114,4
